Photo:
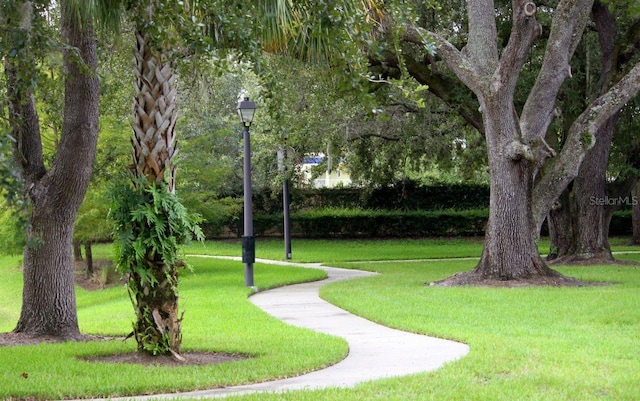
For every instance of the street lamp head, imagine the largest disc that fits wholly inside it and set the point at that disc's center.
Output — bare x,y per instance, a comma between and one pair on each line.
246,109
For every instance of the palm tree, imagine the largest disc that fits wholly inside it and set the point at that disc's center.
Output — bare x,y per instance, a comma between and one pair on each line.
293,27
149,242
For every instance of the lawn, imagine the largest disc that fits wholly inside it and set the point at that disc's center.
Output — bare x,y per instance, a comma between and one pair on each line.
331,251
526,343
218,318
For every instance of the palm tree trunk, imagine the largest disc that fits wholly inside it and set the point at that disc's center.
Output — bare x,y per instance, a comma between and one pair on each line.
158,325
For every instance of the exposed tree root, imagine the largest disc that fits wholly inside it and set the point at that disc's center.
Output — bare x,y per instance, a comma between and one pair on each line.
582,260
475,279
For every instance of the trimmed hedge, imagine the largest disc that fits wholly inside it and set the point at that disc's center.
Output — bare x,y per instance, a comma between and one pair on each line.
411,196
401,196
621,223
357,223
405,209
378,224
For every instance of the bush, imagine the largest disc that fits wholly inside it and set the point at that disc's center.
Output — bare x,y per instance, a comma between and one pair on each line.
621,223
407,195
357,223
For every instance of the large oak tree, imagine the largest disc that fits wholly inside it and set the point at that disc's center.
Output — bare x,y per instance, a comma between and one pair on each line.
515,138
578,227
55,192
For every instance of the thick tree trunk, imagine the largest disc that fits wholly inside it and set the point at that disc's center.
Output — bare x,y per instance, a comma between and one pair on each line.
49,306
510,251
590,206
48,299
591,228
590,210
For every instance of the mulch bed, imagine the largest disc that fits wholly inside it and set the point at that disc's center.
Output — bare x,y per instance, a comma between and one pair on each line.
192,358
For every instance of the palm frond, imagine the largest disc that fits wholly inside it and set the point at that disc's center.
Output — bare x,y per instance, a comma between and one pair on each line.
305,31
107,13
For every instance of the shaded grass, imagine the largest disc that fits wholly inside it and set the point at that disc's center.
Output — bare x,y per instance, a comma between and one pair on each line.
218,318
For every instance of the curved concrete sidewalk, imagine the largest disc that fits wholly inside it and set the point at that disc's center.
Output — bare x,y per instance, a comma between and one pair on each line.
375,351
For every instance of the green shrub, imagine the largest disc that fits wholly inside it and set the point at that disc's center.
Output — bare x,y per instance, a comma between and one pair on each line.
358,223
621,223
406,195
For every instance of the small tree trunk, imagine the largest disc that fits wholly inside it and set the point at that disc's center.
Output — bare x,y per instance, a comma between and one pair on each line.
77,251
560,227
592,211
635,214
87,251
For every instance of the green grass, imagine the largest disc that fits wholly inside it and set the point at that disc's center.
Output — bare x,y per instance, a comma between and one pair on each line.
330,251
526,343
218,317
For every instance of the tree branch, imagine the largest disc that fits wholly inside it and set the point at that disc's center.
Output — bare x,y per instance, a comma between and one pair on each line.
24,122
482,46
580,139
448,91
525,31
462,65
569,21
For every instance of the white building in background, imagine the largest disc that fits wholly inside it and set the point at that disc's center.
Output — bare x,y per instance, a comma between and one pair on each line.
332,177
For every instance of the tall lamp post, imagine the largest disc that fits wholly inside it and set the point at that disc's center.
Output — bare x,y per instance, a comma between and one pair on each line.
246,109
286,201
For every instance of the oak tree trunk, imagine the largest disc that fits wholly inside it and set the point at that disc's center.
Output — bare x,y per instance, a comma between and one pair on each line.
592,212
49,306
48,298
510,251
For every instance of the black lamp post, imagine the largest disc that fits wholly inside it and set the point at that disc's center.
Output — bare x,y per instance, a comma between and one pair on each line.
246,109
286,201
